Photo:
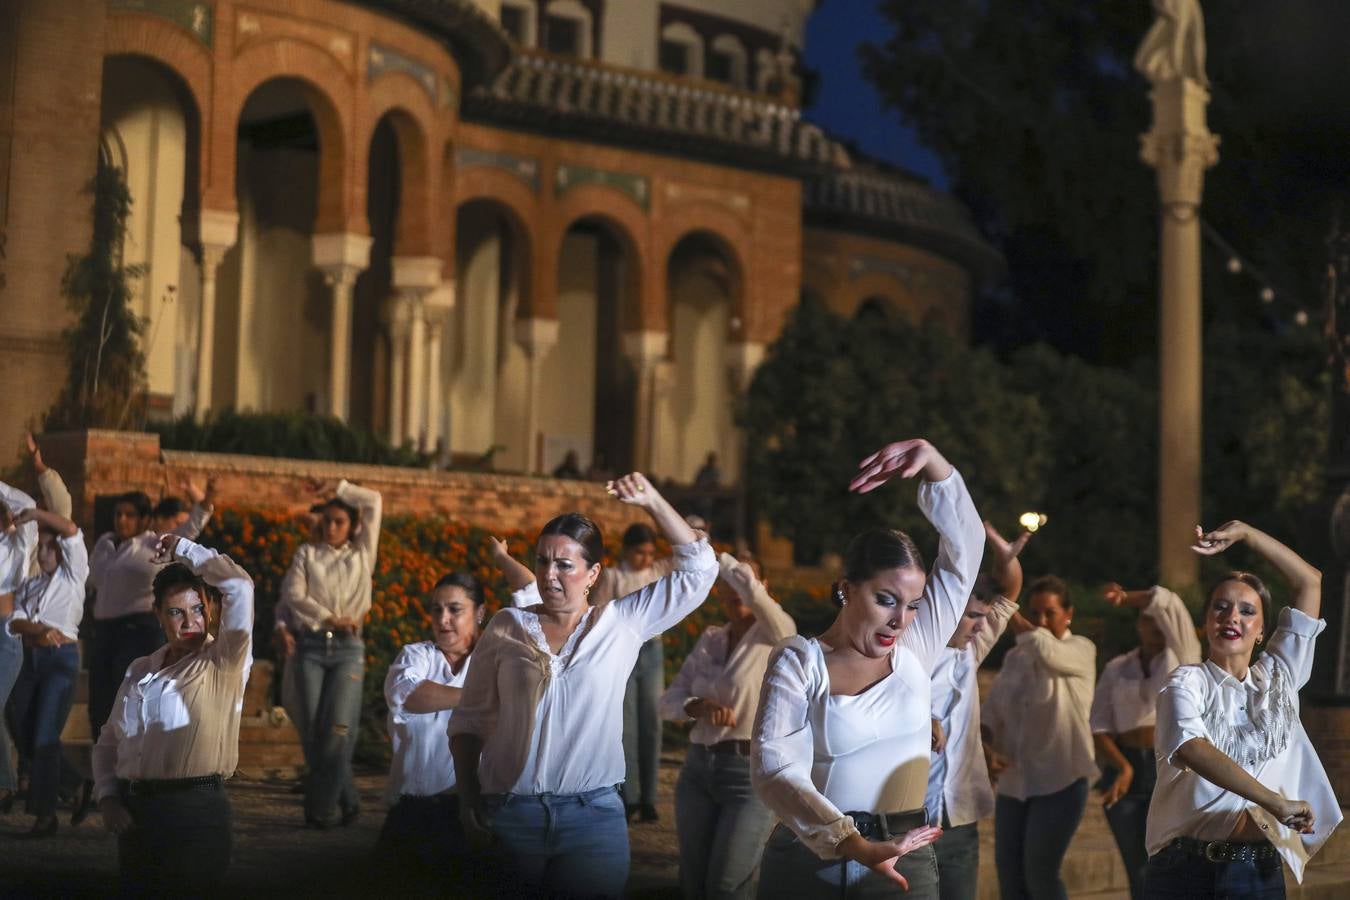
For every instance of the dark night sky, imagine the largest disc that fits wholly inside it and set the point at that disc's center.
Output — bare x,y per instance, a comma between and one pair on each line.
846,104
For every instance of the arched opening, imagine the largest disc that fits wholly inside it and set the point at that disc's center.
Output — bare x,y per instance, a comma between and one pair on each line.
371,350
696,411
484,369
273,308
586,395
150,130
877,309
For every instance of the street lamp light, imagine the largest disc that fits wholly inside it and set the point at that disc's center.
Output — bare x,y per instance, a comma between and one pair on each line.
1032,521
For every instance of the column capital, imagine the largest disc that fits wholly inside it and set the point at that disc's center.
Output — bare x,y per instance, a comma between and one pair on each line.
397,312
645,348
537,336
341,255
416,272
1179,145
217,228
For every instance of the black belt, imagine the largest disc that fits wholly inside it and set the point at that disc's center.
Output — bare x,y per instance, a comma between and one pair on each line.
153,786
1226,851
737,748
428,799
884,826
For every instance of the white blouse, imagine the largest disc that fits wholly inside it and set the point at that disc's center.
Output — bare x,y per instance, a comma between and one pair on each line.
182,721
1256,723
958,778
57,600
554,723
422,765
731,680
1126,698
123,574
817,755
333,582
16,543
1038,712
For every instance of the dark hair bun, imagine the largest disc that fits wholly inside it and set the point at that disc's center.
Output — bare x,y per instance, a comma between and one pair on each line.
580,529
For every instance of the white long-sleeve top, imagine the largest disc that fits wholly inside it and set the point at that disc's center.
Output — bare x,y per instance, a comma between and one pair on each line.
553,723
333,582
17,542
182,721
123,574
1038,712
730,679
57,600
54,492
958,778
816,755
1126,698
422,766
1256,723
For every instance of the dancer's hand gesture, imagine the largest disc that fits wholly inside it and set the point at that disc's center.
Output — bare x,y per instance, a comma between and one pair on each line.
880,856
1220,539
634,489
903,458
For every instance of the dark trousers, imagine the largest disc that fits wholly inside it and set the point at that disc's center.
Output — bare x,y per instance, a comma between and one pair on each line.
1174,874
179,843
117,644
958,860
1031,837
421,840
1128,818
40,702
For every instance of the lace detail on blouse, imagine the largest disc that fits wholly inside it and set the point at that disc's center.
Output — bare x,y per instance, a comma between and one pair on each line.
1270,722
556,664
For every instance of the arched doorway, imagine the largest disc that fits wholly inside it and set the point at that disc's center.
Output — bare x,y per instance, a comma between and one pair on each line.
696,408
370,348
150,131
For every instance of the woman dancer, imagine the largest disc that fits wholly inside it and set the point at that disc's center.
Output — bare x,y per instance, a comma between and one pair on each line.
173,736
720,823
421,833
542,705
842,736
47,613
1124,709
326,595
1239,784
16,549
1038,714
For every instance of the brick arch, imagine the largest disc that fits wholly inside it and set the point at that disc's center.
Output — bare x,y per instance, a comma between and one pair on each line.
185,58
876,285
417,180
727,233
328,92
622,218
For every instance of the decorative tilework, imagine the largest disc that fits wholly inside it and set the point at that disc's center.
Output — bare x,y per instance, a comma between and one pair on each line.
636,186
198,18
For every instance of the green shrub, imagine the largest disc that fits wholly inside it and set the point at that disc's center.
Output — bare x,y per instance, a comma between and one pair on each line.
295,435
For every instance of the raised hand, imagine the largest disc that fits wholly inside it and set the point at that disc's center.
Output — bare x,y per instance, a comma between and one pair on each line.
904,459
738,575
1114,594
1004,552
165,548
1214,542
35,452
634,489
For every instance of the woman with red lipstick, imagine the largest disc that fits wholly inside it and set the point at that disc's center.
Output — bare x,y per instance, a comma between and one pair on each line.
172,738
841,740
1239,784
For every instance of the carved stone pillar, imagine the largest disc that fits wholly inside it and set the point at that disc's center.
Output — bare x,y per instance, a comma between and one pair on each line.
396,314
341,257
436,310
414,278
219,232
645,350
537,337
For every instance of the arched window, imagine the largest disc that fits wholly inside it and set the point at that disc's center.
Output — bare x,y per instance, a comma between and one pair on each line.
727,61
518,20
567,29
681,50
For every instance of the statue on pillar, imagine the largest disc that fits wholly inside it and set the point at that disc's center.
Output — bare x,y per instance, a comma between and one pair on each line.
1175,46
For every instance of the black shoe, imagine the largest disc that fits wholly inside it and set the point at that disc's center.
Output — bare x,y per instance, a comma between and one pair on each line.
350,815
647,813
42,828
83,804
318,824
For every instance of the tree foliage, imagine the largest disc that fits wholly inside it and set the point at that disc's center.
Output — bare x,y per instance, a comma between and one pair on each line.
106,382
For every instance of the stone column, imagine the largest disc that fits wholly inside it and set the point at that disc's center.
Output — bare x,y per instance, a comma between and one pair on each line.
645,350
436,308
414,277
219,232
537,337
1180,147
341,257
396,314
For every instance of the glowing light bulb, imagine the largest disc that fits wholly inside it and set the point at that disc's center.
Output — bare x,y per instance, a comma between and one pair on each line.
1267,295
1032,521
1234,265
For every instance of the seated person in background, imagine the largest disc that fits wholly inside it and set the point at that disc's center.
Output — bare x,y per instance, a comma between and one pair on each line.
569,467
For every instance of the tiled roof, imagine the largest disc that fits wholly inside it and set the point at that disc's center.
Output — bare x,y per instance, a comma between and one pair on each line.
479,44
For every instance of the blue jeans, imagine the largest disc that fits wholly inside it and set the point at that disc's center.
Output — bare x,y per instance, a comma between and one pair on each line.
562,845
41,700
1030,839
958,860
11,660
1176,873
642,725
1128,818
330,672
790,869
721,824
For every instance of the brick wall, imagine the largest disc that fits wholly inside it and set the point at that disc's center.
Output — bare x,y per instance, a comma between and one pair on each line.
95,463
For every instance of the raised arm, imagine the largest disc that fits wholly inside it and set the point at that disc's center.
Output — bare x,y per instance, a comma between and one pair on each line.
203,505
776,623
945,502
516,573
49,520
1169,612
371,505
1303,578
1069,658
54,491
234,642
1000,611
